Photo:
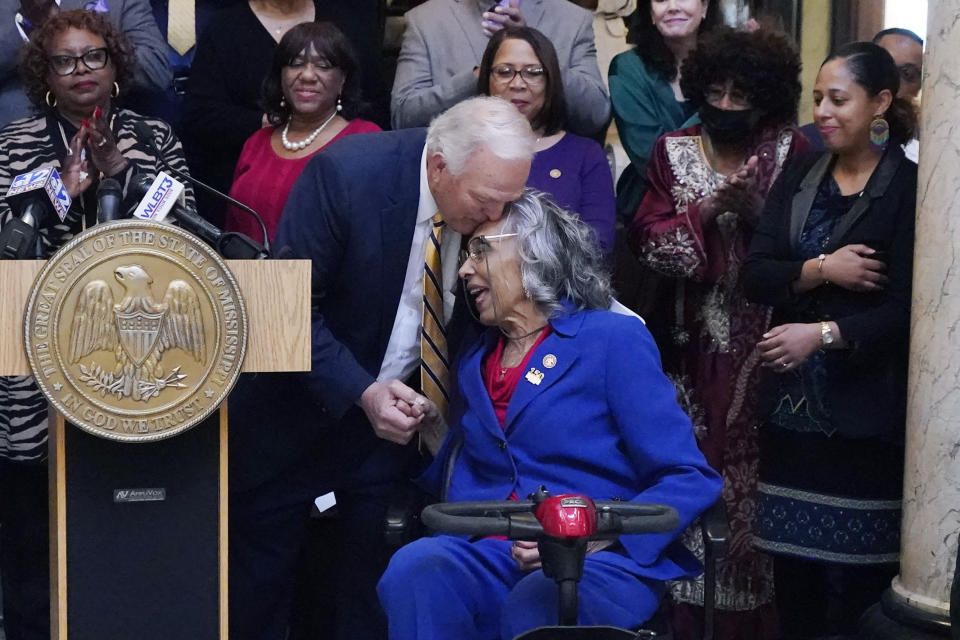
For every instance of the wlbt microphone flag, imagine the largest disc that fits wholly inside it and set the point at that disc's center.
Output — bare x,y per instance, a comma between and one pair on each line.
160,198
26,190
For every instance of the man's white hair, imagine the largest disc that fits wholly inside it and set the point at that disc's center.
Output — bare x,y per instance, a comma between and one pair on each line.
480,122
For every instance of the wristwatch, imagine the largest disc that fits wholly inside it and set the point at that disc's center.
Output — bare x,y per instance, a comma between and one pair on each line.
826,334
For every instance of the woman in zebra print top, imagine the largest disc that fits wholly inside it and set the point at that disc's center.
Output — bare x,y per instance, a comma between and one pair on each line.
74,67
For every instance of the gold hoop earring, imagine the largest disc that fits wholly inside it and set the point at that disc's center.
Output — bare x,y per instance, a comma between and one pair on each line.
50,103
116,90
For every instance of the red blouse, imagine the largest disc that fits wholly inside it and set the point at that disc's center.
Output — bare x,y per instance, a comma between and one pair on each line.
263,180
502,381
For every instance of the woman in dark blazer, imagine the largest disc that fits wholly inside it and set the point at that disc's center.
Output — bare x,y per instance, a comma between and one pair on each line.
833,256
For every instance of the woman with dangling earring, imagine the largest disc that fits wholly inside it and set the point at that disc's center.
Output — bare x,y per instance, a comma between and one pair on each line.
310,97
74,68
833,256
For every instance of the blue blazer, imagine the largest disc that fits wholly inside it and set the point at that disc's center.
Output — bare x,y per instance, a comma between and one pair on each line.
352,213
603,421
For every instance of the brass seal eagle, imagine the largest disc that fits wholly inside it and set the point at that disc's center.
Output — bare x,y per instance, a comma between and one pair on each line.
135,330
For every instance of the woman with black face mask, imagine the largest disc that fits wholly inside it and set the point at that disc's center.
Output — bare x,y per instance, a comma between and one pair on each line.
694,225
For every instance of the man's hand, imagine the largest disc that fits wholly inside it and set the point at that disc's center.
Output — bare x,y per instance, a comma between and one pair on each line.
501,17
393,410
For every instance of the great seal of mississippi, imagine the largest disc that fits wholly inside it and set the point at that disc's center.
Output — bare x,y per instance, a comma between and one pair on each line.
135,331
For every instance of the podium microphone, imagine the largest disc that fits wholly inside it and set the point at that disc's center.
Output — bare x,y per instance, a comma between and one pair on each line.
38,199
109,201
144,132
159,198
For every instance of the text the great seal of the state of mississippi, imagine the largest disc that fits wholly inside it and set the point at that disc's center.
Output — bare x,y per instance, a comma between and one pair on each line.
135,331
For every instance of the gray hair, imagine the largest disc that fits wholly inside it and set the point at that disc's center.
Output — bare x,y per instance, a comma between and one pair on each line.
484,121
560,256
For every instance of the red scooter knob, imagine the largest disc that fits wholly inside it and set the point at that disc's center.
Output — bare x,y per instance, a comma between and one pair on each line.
567,516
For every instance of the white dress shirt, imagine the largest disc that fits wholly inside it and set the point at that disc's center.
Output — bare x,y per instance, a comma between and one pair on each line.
403,350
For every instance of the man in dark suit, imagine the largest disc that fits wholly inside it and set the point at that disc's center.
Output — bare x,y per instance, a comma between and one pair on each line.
364,212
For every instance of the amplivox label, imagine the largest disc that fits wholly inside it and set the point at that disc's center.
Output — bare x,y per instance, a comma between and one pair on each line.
139,495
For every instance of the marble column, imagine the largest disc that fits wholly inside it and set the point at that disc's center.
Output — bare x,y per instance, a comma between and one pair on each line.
919,597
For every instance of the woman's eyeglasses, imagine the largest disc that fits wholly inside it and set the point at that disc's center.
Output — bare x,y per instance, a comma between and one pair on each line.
714,95
478,247
94,59
505,74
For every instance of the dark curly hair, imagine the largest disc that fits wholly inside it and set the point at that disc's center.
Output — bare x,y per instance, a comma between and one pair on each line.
330,44
873,68
553,114
35,63
763,64
649,42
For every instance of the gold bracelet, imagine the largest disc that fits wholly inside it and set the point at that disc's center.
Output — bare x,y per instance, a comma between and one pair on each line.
821,258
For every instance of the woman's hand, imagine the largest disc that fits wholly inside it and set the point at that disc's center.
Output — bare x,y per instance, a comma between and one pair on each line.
75,171
786,347
738,193
526,555
433,426
853,268
102,146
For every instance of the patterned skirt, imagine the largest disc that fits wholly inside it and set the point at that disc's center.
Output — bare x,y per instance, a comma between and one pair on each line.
828,498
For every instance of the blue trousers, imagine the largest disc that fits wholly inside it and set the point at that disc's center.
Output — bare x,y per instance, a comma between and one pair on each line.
445,587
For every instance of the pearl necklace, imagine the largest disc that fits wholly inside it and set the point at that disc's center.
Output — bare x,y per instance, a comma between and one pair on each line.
306,142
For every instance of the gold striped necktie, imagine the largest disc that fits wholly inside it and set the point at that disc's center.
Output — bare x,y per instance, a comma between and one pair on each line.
181,25
434,365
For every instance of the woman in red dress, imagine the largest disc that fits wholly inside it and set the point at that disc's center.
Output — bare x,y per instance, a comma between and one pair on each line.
311,99
694,225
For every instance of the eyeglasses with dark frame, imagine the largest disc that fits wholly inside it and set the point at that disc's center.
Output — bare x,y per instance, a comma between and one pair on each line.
531,74
714,94
94,59
477,247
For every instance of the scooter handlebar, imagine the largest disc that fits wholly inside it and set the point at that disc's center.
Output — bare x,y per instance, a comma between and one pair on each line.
514,519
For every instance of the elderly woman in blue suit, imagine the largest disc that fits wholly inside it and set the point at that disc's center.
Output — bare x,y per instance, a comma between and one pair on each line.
561,392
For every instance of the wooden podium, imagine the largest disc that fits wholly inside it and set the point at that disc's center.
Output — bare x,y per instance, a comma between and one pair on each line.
138,531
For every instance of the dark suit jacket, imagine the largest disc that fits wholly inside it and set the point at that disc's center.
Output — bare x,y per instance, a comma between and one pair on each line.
352,212
867,381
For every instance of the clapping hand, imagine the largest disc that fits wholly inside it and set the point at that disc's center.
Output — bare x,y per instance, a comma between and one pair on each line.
501,17
738,193
101,145
75,171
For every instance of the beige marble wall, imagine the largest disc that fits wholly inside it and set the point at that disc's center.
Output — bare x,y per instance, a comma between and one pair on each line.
932,480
